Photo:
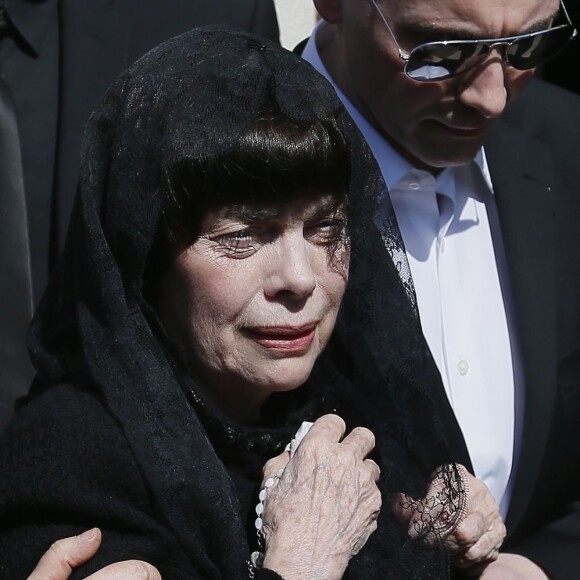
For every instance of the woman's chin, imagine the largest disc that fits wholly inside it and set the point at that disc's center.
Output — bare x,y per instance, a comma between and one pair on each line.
286,377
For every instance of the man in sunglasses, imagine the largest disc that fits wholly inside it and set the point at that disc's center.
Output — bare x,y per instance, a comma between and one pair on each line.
482,164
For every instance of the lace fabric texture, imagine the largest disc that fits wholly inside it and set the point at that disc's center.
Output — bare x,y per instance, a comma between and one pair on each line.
393,242
192,98
443,507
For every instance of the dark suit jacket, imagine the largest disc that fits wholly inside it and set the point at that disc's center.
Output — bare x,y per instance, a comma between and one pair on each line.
79,49
534,163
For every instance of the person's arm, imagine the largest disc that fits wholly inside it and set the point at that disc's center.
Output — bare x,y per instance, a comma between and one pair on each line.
64,555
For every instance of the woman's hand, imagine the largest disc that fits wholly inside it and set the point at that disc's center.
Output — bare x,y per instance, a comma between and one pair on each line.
474,537
325,505
60,559
476,541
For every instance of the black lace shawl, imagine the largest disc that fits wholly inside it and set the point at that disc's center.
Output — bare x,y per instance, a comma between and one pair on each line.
192,97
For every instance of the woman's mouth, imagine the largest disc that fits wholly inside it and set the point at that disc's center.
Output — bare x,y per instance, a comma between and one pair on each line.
289,339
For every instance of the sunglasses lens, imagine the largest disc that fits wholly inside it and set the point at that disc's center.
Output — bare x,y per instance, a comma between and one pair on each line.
527,53
437,61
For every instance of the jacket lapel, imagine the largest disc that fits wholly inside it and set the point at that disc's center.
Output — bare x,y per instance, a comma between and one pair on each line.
521,171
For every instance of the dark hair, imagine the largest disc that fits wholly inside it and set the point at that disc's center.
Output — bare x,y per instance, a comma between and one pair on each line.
277,160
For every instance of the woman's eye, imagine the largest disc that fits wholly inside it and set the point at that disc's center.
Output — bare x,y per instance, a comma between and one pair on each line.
241,242
326,231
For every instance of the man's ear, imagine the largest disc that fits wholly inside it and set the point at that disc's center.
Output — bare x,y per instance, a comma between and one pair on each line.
330,10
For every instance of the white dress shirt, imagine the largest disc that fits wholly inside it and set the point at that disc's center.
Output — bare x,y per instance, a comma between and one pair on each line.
453,243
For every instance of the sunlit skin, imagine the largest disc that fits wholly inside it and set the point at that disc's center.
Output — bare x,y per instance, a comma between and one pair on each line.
253,301
433,125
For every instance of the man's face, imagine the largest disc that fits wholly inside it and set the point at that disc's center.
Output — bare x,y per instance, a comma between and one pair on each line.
434,124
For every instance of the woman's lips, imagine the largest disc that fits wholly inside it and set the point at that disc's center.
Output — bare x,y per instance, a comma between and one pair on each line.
283,338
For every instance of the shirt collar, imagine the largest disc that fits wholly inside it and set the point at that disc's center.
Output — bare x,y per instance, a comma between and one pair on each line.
393,166
30,20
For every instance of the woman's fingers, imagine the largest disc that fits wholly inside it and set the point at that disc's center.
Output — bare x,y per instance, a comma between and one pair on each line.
274,465
66,554
329,427
476,528
373,468
361,440
484,549
481,533
402,507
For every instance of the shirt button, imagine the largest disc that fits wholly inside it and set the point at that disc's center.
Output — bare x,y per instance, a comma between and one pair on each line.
414,185
463,367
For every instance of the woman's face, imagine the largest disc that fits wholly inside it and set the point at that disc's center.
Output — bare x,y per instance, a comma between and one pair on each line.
253,301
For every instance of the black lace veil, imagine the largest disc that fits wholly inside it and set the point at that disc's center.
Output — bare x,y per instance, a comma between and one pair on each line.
191,98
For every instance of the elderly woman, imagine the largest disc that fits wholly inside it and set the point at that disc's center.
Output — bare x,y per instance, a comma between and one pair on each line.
205,265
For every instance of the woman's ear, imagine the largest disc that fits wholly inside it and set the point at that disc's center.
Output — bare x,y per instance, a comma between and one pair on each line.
330,10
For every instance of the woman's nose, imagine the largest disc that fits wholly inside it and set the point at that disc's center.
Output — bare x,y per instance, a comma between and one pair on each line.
292,271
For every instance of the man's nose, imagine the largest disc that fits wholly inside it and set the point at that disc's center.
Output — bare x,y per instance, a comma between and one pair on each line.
292,271
484,87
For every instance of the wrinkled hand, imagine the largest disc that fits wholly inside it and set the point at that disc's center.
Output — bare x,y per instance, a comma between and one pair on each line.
513,567
325,505
473,541
476,541
60,559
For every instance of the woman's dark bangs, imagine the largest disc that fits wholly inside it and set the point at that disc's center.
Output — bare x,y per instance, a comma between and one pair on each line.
277,160
280,159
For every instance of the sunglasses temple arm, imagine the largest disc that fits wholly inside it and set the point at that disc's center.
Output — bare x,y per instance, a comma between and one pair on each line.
566,14
404,55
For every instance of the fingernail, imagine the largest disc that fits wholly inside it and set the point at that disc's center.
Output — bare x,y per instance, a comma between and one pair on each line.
89,535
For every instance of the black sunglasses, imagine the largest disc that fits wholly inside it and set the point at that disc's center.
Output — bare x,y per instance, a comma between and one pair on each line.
440,60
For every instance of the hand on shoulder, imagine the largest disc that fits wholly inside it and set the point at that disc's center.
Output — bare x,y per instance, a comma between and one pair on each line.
64,555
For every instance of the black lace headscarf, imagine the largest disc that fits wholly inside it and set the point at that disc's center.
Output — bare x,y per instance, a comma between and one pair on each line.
193,98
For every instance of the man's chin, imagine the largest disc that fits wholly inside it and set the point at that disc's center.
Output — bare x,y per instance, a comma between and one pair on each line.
445,154
434,155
